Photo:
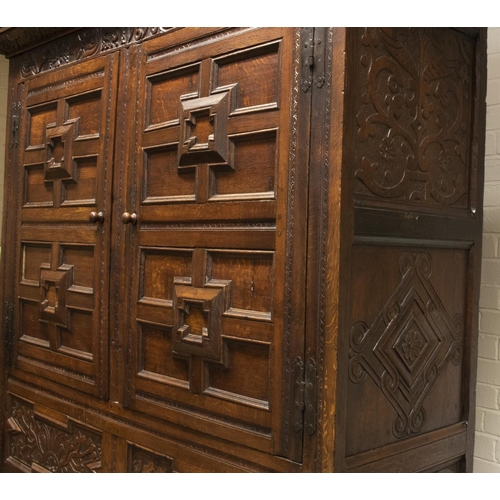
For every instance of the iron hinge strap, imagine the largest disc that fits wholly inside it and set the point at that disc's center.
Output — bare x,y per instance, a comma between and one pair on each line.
304,395
14,137
312,57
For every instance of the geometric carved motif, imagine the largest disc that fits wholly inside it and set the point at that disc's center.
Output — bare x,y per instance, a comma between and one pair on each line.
45,447
59,148
53,288
408,345
414,115
204,131
197,328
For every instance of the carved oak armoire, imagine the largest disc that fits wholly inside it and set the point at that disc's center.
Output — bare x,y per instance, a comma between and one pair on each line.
230,249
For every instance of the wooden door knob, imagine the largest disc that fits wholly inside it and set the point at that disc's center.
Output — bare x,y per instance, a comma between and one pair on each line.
128,218
96,217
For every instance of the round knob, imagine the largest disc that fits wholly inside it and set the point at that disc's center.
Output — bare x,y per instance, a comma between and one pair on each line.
128,218
96,217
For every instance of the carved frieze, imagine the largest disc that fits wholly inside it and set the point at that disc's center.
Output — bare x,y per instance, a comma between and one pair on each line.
408,345
414,116
81,45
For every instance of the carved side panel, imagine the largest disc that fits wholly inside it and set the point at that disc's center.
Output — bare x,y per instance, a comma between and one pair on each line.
414,117
38,444
406,344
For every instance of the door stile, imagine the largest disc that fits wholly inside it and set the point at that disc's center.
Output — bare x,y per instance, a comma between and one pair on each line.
120,245
9,232
295,247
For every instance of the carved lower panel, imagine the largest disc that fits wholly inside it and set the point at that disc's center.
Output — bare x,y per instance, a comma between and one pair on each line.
408,345
142,460
414,116
44,446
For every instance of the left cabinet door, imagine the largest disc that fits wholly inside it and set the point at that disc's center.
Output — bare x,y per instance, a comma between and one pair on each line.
63,228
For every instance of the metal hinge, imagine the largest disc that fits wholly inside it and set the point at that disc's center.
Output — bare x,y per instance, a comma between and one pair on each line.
14,129
304,395
8,328
313,57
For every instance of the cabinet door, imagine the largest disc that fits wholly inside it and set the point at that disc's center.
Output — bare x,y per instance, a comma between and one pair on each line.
62,269
214,204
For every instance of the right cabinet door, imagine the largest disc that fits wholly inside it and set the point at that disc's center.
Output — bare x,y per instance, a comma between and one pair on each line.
212,320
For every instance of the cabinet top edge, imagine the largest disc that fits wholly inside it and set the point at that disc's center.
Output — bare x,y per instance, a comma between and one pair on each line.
14,41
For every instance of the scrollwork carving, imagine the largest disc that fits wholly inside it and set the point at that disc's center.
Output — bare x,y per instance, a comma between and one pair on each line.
405,351
414,116
40,445
80,45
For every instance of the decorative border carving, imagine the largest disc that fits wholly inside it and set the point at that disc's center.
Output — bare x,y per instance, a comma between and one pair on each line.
408,345
80,45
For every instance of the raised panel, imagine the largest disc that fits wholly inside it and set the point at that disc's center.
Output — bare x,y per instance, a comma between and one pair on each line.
255,162
82,260
79,340
155,357
406,344
88,109
34,256
39,118
251,276
82,190
256,73
31,327
169,89
248,377
36,191
159,268
163,183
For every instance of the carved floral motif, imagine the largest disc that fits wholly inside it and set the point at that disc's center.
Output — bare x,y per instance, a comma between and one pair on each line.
414,115
81,45
145,461
40,445
408,345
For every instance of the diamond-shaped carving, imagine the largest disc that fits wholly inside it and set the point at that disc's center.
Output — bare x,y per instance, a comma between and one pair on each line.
204,131
53,288
197,321
59,148
408,344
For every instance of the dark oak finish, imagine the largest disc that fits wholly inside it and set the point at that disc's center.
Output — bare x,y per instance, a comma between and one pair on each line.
241,249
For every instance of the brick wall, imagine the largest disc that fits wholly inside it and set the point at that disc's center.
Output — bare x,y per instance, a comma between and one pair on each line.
487,450
4,73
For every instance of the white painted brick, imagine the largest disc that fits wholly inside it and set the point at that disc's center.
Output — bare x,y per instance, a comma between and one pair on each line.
492,423
490,246
493,116
491,195
488,346
490,320
479,419
491,143
492,92
488,371
488,298
487,396
492,169
490,271
493,40
493,66
484,447
491,221
483,466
